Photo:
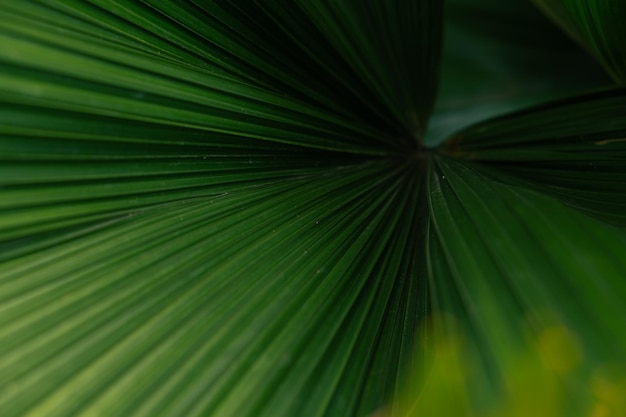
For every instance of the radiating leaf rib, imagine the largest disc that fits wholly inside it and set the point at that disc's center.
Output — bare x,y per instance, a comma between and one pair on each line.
490,253
388,52
215,208
108,80
85,20
176,238
117,323
397,341
216,37
572,149
164,240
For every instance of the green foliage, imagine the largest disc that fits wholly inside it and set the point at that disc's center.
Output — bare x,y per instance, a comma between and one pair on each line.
598,26
218,208
504,56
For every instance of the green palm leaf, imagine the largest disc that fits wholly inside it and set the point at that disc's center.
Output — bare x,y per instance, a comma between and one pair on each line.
596,25
514,266
572,149
210,208
502,57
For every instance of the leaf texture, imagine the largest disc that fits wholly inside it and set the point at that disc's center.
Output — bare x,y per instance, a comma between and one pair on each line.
507,263
499,57
598,25
387,51
102,78
572,149
200,215
231,304
217,208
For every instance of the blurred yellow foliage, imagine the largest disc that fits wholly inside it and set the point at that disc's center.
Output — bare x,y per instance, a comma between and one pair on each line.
548,378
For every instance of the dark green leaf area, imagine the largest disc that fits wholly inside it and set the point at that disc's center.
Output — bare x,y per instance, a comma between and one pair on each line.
56,172
508,262
573,149
233,41
500,57
385,53
597,25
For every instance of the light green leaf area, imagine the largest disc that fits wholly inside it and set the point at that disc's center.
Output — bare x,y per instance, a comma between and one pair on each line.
517,271
574,149
266,299
597,25
500,57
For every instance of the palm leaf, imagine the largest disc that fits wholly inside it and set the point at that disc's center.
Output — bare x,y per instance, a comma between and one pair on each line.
192,222
502,259
597,26
572,149
227,209
500,57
